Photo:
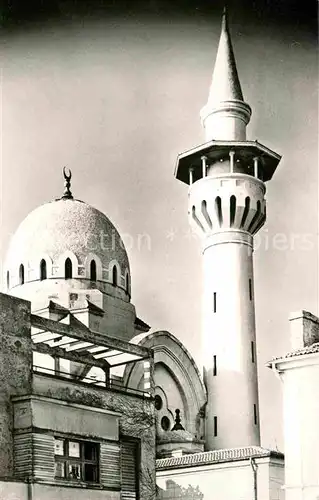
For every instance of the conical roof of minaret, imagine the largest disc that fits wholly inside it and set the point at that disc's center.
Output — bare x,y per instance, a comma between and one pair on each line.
225,84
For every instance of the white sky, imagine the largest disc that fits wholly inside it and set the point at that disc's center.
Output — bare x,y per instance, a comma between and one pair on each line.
116,102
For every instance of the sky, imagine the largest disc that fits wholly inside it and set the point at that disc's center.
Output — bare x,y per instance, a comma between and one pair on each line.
114,91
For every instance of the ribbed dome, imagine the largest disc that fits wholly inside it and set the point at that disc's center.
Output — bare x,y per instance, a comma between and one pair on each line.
55,229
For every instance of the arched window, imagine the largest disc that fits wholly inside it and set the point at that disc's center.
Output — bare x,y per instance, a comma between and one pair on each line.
93,270
43,270
114,275
127,283
21,274
68,269
8,279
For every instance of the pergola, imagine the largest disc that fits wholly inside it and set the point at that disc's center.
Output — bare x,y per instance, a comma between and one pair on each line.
70,339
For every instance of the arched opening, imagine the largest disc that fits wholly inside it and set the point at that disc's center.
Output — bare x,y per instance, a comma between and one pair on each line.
205,214
8,279
246,211
68,269
21,274
127,283
43,270
256,218
93,270
114,276
196,219
232,206
218,207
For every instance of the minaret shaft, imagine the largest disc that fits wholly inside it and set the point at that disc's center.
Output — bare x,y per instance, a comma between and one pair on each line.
227,207
229,343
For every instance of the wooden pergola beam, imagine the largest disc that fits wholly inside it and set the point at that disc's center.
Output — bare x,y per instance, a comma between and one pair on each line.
78,357
77,330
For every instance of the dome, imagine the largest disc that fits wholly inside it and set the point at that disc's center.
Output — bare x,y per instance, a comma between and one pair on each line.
67,229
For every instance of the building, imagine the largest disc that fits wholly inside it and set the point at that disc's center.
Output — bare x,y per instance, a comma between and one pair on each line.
67,419
298,371
79,368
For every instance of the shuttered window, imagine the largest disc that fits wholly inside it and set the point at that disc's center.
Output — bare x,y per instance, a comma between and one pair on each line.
129,470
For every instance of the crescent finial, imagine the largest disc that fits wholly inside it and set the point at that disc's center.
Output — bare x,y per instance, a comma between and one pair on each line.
67,174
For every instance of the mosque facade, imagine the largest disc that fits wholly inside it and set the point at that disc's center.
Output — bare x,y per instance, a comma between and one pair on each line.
92,401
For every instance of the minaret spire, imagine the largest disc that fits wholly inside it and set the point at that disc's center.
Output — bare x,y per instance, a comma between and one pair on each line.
227,207
225,103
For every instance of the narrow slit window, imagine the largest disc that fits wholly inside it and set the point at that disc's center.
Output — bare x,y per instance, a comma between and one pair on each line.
252,352
21,274
218,206
215,426
215,302
68,269
93,270
127,283
255,414
250,289
114,275
43,270
215,366
8,279
232,209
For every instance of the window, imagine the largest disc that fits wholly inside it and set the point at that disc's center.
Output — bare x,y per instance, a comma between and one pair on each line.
250,290
21,274
76,460
215,302
215,426
93,270
215,366
158,402
165,423
43,270
68,269
8,279
127,283
255,414
252,352
114,275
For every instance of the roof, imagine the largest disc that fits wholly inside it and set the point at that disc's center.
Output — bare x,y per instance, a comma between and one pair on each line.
56,228
217,456
225,84
311,349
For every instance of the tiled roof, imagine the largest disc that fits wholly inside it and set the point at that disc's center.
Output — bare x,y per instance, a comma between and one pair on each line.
311,349
217,456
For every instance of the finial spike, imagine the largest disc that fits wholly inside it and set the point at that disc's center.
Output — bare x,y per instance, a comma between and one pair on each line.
178,426
67,174
225,18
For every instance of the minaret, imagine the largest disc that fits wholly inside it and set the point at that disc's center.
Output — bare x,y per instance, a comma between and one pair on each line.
226,177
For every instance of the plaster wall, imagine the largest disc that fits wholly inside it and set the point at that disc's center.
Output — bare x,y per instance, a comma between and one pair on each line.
11,490
301,417
228,333
225,481
120,314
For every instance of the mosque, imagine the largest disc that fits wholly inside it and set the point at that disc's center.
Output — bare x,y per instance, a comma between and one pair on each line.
92,403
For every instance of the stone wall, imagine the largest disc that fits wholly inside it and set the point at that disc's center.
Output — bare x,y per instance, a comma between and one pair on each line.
137,418
15,369
304,328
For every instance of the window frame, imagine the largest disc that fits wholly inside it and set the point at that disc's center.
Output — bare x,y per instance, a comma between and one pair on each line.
68,460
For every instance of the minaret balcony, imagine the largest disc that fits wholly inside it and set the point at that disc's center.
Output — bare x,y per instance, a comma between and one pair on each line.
228,201
249,157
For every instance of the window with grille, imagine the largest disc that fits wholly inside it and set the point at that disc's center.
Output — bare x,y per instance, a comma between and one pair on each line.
76,460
